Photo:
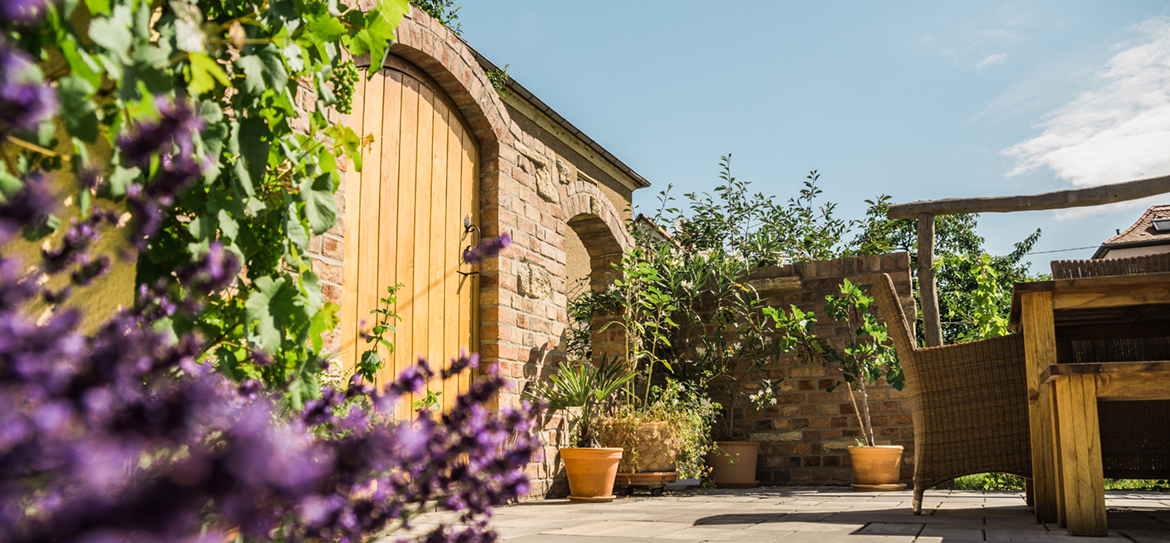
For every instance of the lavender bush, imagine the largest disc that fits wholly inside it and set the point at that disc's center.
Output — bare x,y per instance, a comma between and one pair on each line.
126,435
194,415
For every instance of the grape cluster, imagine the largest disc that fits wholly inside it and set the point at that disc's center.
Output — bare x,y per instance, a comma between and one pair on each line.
267,245
343,79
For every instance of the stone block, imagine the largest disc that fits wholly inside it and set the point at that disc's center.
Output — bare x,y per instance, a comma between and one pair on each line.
766,437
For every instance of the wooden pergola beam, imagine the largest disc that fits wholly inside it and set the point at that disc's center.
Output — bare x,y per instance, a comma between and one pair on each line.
1061,199
926,210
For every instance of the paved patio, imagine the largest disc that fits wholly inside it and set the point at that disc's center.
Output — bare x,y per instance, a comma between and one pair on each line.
816,515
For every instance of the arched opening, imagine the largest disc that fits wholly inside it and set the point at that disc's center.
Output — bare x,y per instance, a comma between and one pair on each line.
594,271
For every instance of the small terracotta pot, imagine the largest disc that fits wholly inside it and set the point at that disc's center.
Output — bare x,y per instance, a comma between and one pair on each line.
880,465
591,472
733,464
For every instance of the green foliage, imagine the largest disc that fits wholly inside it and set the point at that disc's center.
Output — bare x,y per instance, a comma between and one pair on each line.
985,320
266,187
866,355
371,362
989,481
645,317
753,227
427,403
958,276
1004,481
1154,485
581,309
444,11
499,80
581,385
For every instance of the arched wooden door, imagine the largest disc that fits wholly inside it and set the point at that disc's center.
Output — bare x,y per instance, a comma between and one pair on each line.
404,216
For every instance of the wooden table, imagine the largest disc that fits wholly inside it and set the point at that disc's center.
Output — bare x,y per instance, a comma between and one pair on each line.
1068,483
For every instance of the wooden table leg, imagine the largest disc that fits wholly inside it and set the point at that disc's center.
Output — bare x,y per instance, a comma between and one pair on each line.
1058,473
1080,455
1039,353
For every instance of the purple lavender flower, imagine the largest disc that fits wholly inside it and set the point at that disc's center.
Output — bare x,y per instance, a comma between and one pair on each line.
413,378
176,126
25,101
22,11
486,249
75,245
78,414
459,364
212,273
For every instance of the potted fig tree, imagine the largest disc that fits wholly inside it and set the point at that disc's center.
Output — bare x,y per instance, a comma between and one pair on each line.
581,391
866,357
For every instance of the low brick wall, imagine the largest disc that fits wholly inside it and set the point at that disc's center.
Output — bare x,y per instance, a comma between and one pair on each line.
805,435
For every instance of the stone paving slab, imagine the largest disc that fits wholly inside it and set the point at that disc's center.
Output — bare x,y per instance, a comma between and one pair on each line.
814,515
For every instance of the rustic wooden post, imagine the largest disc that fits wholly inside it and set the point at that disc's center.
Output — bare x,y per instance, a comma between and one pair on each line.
931,323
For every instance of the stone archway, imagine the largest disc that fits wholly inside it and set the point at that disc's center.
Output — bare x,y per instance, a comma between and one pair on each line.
596,223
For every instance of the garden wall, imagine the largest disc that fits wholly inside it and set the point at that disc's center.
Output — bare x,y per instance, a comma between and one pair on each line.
805,435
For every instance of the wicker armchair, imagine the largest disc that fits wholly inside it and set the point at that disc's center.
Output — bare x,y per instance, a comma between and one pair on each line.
970,403
1135,436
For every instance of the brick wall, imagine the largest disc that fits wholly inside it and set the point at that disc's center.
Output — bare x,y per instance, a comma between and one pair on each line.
804,436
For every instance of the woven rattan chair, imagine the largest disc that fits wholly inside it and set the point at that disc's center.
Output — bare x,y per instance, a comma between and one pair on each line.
1135,436
970,403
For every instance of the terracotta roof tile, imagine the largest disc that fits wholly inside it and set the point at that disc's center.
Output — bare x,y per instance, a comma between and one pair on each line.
1143,231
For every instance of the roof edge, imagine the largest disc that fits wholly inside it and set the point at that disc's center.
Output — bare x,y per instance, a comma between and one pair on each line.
1105,247
526,94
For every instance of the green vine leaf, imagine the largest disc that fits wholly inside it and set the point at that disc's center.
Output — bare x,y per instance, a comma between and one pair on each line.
77,110
113,33
204,74
320,206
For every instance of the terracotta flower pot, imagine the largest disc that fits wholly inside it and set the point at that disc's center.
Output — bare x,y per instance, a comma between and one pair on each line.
591,472
733,464
876,468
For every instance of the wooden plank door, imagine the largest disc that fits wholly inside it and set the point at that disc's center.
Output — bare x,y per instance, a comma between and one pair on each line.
404,218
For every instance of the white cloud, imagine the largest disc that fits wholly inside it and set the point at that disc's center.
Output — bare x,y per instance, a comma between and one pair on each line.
1117,131
992,59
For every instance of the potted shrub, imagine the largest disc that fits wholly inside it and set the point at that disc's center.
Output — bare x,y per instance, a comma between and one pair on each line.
582,391
724,349
865,358
663,441
690,317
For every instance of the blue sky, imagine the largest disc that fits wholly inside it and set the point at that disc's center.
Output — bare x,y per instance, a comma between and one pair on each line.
912,99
